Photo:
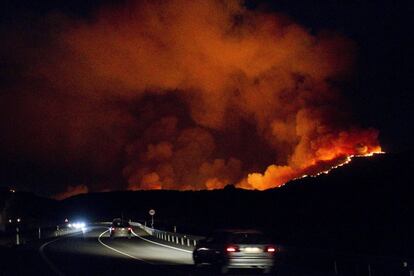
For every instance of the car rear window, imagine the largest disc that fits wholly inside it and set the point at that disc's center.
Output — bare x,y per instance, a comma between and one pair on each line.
120,224
248,238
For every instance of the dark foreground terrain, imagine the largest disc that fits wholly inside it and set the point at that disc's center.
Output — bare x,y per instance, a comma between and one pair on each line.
365,207
355,220
93,253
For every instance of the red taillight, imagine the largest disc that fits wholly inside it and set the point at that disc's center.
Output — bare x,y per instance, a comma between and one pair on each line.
271,249
232,249
112,229
129,229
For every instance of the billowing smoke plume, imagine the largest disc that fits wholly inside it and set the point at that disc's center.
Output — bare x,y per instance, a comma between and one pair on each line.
219,94
169,158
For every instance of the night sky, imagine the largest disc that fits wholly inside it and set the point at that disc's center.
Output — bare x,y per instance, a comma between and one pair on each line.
62,127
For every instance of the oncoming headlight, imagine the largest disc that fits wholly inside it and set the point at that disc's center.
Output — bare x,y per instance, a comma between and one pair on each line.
79,225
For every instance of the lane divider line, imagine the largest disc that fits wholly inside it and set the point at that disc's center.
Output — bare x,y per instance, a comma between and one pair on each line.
160,244
119,251
42,253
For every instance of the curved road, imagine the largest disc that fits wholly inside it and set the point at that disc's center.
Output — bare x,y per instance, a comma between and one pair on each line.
94,253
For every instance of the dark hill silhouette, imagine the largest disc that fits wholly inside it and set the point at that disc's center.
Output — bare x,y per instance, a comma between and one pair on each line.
364,207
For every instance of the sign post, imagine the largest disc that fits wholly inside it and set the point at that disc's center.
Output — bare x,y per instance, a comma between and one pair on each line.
152,213
18,232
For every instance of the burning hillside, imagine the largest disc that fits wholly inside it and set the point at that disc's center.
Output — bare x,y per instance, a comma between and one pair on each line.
198,94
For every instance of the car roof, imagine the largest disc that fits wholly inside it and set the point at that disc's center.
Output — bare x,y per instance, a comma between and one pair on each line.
238,231
120,223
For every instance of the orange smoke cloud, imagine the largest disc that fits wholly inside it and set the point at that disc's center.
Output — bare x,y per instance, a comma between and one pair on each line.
320,156
72,191
230,69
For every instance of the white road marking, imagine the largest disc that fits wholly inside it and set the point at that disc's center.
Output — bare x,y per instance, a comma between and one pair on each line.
54,268
119,251
46,259
160,244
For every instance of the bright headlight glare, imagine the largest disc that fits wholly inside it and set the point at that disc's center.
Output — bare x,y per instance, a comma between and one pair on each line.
79,225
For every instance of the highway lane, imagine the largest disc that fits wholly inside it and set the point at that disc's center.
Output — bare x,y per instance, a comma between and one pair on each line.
94,253
147,251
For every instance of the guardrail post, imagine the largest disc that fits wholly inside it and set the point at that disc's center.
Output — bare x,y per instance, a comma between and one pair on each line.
39,233
335,268
195,242
182,241
176,240
188,242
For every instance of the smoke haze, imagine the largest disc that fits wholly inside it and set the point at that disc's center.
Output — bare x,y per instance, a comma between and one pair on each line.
184,95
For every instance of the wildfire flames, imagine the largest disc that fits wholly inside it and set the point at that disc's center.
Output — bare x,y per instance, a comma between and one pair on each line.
324,161
200,94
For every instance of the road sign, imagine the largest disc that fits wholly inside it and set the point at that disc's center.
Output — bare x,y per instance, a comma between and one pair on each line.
152,213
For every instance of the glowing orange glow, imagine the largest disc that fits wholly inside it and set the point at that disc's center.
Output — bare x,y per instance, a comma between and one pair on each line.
72,191
244,79
330,154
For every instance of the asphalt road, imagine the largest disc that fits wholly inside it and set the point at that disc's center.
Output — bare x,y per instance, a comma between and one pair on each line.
95,253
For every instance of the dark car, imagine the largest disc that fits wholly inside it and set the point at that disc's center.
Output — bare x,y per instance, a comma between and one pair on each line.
120,228
228,249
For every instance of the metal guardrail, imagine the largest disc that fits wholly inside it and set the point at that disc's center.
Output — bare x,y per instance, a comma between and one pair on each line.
21,236
171,237
362,266
365,265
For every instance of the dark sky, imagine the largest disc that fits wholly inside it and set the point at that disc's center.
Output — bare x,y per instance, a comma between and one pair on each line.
379,92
